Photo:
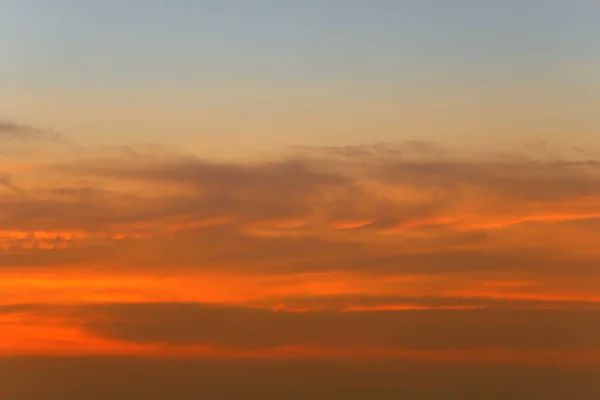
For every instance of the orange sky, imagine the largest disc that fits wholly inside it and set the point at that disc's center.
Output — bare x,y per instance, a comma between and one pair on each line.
416,233
267,199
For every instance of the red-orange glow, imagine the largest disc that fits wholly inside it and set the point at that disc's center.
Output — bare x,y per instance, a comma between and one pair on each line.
84,285
351,224
295,239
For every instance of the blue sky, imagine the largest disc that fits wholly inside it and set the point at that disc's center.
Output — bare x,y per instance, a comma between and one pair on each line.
378,50
139,43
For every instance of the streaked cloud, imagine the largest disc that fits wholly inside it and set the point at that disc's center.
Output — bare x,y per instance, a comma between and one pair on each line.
406,240
13,131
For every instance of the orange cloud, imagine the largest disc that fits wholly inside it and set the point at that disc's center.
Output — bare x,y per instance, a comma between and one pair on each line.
351,232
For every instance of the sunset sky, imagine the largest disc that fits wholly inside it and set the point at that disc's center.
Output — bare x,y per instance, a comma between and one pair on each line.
299,199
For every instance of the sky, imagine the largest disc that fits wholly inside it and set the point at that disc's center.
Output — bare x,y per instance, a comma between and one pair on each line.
233,78
332,199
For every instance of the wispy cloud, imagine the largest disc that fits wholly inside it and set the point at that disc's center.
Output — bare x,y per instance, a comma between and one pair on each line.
387,231
13,131
6,181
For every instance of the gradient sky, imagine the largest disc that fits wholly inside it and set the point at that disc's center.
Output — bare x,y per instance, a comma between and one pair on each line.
232,77
332,199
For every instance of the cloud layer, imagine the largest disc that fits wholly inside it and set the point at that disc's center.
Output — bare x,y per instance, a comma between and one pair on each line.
425,247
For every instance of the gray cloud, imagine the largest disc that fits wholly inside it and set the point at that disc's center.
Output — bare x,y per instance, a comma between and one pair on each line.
408,329
504,325
13,131
508,181
357,301
6,181
307,189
